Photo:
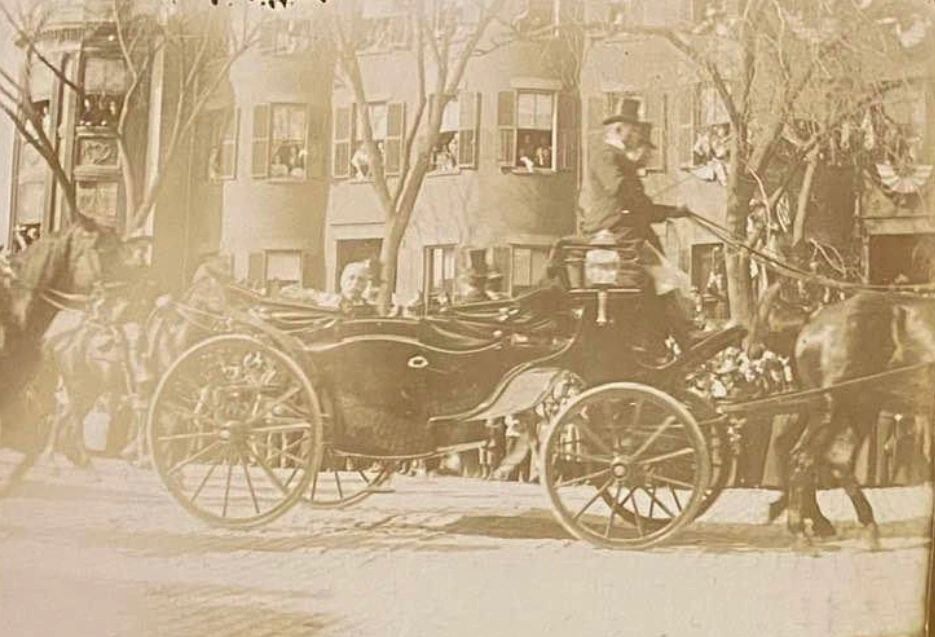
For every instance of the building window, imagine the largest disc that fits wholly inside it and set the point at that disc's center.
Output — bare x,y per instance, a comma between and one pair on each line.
98,199
537,131
384,25
387,123
625,12
284,266
349,251
709,278
222,157
527,267
280,141
439,272
535,15
711,146
285,37
104,84
457,141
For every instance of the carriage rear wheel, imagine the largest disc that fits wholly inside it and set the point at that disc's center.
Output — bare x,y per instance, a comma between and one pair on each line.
235,431
621,454
344,480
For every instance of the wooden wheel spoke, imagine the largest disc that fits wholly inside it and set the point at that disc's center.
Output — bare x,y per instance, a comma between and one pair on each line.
269,472
637,517
189,436
656,501
613,511
584,456
297,425
281,453
337,481
196,456
653,437
580,479
279,400
678,453
227,487
596,440
207,477
593,499
246,473
673,481
675,497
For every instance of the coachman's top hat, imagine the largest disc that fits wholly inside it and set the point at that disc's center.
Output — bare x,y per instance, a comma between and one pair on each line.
629,113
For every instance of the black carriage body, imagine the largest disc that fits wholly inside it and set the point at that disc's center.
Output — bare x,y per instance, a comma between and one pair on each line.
402,387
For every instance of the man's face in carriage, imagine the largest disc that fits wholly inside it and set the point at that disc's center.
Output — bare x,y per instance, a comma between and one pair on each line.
354,282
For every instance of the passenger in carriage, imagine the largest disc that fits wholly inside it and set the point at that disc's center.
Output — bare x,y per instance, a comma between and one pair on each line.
617,202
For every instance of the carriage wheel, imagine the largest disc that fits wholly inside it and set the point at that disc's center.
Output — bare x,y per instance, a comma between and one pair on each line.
620,453
212,424
343,480
722,460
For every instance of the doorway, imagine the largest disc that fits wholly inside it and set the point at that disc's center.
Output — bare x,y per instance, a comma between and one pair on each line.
902,258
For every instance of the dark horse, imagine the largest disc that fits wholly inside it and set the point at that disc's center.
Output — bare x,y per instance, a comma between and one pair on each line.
57,270
865,335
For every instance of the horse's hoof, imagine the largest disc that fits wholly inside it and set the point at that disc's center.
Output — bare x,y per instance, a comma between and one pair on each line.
823,528
776,509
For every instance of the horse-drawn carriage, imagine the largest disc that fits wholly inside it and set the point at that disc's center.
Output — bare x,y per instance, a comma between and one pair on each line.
294,403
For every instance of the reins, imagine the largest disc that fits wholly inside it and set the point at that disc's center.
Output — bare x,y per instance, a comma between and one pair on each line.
788,270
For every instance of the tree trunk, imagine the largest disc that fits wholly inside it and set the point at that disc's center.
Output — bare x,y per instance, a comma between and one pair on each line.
739,282
394,230
801,210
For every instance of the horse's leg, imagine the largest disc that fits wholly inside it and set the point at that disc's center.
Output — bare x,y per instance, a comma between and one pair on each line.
785,443
841,456
805,519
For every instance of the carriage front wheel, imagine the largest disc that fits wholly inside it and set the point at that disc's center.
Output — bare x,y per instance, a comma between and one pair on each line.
625,465
235,430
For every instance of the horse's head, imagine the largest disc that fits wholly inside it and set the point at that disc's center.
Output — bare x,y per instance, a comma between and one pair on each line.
776,325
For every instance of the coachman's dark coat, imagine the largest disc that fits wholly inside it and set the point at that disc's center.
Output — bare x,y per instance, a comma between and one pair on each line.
616,198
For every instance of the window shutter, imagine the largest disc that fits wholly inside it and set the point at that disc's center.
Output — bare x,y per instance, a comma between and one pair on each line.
260,150
685,114
310,271
597,111
229,148
654,111
256,268
341,144
566,155
501,263
468,127
506,128
393,146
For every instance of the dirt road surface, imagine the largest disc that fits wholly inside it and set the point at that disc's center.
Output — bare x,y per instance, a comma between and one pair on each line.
438,556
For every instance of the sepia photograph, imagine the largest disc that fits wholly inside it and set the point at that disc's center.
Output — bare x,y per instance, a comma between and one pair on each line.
480,318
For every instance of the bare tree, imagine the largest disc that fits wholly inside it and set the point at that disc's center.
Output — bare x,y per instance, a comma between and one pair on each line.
443,46
775,67
198,44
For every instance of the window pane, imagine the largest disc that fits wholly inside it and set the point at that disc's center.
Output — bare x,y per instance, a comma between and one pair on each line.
378,120
450,117
543,111
522,266
30,198
94,75
284,266
539,259
438,268
526,110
